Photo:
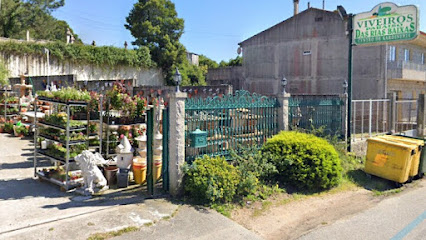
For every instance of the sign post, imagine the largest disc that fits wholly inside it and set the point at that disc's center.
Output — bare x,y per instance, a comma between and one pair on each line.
386,22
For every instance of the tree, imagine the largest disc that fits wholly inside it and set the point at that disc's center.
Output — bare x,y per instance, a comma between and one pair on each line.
46,5
154,24
205,61
192,75
238,61
18,16
11,15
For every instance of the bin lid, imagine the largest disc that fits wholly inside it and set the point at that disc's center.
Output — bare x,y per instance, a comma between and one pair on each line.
405,139
392,143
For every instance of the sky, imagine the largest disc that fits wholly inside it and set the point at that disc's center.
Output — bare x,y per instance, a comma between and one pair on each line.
212,28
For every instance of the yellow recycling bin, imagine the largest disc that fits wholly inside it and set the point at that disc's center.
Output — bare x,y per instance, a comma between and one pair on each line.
389,159
139,170
414,169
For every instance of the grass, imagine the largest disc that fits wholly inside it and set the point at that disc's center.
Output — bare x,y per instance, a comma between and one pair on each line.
107,235
224,209
266,205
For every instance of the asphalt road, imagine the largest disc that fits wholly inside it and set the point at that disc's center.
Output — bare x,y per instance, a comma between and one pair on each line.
402,216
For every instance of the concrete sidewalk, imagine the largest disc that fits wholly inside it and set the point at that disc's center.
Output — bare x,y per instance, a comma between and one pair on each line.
30,209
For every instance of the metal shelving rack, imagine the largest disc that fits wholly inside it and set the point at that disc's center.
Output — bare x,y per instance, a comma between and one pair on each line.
106,129
6,105
100,130
67,184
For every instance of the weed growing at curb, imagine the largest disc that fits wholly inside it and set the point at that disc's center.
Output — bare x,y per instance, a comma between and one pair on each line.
102,236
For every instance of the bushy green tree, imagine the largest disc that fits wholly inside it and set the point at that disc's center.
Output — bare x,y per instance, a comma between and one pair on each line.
18,16
238,61
46,5
192,75
155,24
205,61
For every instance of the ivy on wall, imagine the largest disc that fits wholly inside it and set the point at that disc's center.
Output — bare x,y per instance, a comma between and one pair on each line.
78,53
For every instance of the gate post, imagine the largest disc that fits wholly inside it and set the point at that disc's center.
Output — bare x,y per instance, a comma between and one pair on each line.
283,111
421,116
177,141
392,111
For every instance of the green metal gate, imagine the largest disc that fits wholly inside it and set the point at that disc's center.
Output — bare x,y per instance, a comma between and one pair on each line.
231,121
312,112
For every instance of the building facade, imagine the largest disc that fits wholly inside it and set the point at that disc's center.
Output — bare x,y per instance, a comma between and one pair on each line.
310,50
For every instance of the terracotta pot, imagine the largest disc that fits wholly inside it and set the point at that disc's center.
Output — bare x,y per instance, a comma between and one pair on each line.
23,110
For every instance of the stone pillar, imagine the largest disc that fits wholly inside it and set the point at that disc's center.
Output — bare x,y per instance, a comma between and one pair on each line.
392,112
421,116
176,141
283,111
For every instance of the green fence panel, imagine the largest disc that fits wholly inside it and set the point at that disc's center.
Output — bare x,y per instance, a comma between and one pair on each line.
231,121
312,112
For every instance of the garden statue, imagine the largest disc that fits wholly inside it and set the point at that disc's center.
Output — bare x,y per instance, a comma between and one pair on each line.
92,176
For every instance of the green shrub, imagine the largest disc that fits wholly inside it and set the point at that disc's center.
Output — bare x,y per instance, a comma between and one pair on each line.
304,161
253,167
251,159
211,180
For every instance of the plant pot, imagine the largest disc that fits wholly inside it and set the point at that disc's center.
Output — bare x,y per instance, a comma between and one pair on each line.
23,110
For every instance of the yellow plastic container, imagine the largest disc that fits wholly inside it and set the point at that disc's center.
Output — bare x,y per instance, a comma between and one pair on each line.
158,164
389,159
139,170
414,170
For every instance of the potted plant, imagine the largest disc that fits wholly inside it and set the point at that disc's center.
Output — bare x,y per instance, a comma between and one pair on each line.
18,131
8,127
93,128
138,114
93,106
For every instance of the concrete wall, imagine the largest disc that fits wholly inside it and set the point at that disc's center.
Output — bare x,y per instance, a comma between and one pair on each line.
36,65
368,80
311,51
303,48
227,75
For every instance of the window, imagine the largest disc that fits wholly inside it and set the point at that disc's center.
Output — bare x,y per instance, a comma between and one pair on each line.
423,58
406,55
306,53
392,53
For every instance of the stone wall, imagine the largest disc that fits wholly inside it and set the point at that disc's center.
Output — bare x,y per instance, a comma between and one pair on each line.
226,75
36,65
